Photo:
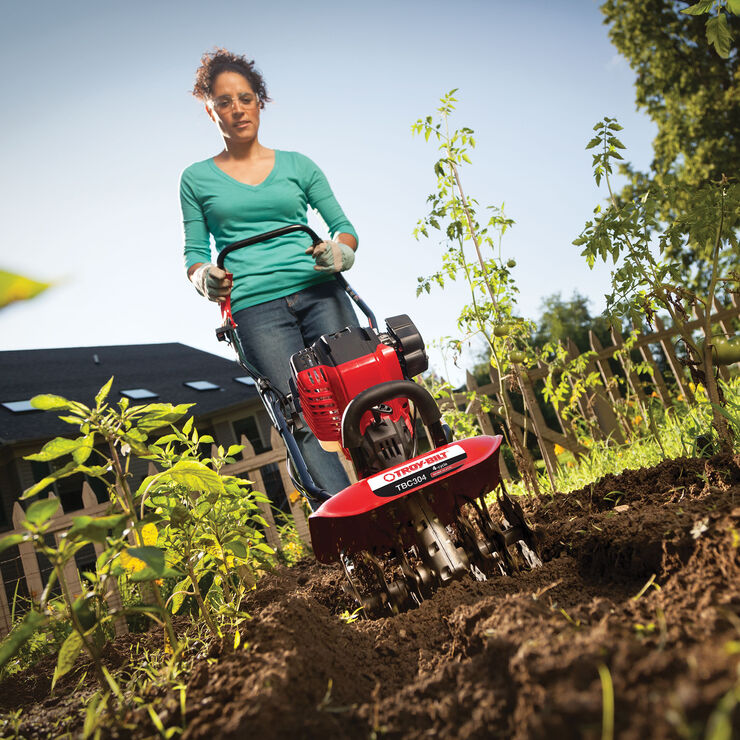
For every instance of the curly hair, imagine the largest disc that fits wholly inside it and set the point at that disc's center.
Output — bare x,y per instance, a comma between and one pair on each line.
212,63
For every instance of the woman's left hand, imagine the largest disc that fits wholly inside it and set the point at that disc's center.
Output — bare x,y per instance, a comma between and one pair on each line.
332,256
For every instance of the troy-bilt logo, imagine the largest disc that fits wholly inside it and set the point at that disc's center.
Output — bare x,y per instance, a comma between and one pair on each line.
392,475
416,473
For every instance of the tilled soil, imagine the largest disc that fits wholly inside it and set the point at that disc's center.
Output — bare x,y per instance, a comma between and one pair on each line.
527,656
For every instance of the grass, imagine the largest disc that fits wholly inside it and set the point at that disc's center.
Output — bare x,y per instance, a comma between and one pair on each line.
683,431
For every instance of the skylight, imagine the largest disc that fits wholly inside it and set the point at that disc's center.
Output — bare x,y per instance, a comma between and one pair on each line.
245,380
138,394
202,385
18,407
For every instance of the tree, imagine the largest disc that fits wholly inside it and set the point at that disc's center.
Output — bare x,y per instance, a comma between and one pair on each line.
561,320
692,94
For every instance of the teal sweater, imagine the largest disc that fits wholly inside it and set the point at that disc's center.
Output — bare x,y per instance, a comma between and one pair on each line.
213,203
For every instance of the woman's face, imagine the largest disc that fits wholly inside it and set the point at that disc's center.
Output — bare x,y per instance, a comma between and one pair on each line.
234,107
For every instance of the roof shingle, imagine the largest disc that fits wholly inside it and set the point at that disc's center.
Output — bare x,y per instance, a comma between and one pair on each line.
78,373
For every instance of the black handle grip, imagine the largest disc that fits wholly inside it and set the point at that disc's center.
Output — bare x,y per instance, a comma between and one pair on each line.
266,237
427,406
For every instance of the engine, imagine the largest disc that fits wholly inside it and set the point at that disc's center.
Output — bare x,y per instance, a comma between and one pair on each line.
338,367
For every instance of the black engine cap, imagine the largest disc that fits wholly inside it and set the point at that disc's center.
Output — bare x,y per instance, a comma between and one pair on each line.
412,354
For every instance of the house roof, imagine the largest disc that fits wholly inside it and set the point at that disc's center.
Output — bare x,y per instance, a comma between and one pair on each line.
78,373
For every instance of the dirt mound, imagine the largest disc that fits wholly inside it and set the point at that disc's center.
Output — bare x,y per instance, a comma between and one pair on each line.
529,656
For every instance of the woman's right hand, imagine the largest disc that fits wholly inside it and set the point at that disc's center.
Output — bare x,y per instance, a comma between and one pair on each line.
211,281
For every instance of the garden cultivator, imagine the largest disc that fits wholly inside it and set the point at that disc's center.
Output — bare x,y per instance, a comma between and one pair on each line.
414,522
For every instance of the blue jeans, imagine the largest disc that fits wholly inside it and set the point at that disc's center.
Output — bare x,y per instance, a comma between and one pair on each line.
272,332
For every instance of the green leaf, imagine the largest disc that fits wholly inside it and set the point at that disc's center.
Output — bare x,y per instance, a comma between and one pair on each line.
41,511
94,528
733,6
56,448
112,683
149,574
718,34
152,556
84,451
263,548
18,288
195,475
32,622
179,592
156,566
10,540
703,6
594,142
91,715
48,402
82,607
67,655
103,392
69,469
237,547
158,414
187,426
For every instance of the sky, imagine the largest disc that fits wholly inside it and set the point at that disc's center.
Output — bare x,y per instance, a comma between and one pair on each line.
98,122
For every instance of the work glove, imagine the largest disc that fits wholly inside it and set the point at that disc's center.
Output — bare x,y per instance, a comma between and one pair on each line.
332,256
212,282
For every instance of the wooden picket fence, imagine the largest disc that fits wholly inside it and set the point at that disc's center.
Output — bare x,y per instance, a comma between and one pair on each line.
599,401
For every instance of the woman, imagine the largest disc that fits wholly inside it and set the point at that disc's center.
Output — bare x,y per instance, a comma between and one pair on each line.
284,295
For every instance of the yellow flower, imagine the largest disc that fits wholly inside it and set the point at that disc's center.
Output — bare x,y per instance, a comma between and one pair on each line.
559,450
654,395
680,397
692,386
294,496
637,420
149,534
131,564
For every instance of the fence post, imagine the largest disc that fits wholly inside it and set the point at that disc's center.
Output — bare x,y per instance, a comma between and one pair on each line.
6,625
673,362
538,422
607,419
610,382
527,470
658,379
485,424
271,534
632,377
296,507
29,562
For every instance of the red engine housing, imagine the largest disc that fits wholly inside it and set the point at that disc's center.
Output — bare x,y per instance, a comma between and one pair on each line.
333,371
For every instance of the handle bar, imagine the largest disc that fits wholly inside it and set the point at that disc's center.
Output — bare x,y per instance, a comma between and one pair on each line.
316,240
